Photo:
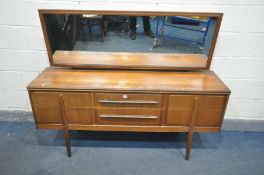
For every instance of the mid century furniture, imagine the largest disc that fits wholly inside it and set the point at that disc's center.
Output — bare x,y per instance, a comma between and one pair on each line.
136,92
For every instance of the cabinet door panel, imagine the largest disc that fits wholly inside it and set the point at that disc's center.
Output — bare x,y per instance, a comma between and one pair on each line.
211,102
79,115
78,107
179,117
208,118
210,110
46,107
180,102
77,100
179,111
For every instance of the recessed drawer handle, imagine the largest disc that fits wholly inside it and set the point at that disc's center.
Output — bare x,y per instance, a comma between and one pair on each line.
128,116
129,101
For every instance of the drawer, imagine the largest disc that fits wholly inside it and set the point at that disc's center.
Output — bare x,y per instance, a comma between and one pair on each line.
119,116
108,100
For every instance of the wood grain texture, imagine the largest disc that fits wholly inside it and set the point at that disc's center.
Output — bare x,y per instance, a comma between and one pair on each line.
49,126
210,110
127,81
78,107
46,107
87,59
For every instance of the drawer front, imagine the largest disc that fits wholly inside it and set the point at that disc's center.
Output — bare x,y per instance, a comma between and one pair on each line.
46,107
121,116
78,107
108,100
210,110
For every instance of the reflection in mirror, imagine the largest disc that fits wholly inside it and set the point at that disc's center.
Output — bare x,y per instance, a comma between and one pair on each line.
131,34
173,34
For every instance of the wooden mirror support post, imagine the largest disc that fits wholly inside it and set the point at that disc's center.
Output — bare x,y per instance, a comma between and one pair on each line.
129,92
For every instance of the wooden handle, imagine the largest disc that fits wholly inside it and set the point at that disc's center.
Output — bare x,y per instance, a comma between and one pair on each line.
128,116
129,101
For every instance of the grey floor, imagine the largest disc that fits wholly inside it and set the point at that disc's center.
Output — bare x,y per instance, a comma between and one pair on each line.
237,149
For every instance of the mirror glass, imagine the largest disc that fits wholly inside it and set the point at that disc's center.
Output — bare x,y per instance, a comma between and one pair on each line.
130,34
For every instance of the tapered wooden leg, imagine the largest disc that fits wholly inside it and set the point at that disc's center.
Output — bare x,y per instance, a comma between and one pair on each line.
67,141
189,145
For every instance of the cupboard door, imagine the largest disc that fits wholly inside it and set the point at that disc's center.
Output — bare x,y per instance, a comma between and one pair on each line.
46,107
210,110
179,110
78,107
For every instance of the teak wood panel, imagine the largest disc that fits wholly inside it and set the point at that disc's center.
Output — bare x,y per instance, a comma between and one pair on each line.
78,107
77,100
127,100
46,107
136,81
87,59
210,110
179,110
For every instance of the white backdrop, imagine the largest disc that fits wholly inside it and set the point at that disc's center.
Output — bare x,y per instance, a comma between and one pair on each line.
238,58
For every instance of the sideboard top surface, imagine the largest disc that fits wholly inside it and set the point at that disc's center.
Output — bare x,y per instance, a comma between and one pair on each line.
123,80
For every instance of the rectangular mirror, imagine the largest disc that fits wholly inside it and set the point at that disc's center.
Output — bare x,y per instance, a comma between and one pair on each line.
130,40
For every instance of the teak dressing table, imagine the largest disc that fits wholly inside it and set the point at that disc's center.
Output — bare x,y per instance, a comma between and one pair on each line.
127,91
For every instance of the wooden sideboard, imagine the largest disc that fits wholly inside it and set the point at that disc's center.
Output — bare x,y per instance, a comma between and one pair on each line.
123,100
139,90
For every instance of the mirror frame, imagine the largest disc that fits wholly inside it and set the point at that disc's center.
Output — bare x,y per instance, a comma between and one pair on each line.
219,17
